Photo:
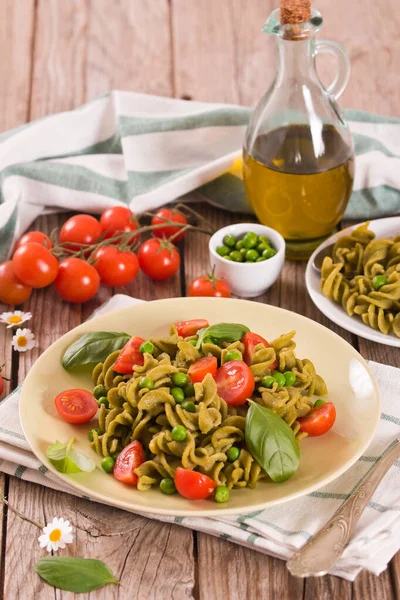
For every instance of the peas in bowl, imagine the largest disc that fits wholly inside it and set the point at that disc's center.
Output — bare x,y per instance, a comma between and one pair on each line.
248,247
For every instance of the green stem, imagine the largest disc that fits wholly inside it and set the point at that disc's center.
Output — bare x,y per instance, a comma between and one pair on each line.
20,515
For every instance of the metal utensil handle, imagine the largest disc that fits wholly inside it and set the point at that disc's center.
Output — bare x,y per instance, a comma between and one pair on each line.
322,551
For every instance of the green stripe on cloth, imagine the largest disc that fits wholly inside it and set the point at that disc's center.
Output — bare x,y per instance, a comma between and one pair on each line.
390,418
227,192
110,146
371,203
14,434
19,471
141,182
365,143
7,232
362,116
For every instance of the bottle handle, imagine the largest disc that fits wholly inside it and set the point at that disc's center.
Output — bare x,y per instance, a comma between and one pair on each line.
337,87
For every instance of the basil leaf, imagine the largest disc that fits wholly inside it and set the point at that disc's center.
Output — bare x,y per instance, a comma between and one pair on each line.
93,348
272,443
66,459
222,332
74,574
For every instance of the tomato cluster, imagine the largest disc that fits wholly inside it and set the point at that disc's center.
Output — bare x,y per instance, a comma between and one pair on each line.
89,252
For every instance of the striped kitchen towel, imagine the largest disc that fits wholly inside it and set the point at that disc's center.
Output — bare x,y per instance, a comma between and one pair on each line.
279,530
144,151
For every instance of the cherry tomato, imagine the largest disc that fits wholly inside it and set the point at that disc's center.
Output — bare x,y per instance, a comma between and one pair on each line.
76,406
35,236
131,457
118,218
186,328
34,265
209,285
129,356
2,380
319,420
114,267
12,290
77,281
80,229
199,369
171,215
250,341
235,382
193,485
158,259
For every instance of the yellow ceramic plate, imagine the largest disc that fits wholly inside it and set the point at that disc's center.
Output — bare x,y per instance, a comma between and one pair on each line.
352,387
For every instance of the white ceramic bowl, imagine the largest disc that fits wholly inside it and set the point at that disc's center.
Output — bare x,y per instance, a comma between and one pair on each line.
248,279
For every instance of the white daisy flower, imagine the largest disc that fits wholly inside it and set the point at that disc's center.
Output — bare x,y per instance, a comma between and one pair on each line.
56,535
13,319
23,340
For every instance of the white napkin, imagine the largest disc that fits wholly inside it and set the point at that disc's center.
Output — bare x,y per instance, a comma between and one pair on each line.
279,530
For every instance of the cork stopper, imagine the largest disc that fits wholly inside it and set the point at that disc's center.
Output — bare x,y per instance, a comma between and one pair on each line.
295,11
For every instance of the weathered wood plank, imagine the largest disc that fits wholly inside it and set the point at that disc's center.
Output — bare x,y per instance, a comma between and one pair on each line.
327,588
369,586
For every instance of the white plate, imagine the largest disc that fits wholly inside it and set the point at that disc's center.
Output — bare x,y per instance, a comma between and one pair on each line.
382,228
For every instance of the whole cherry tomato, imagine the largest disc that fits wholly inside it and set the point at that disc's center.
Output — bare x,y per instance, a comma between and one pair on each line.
76,406
77,281
80,229
319,420
114,267
193,485
129,459
2,379
158,259
209,285
34,265
199,369
116,219
35,236
12,290
235,382
187,328
129,356
169,214
250,341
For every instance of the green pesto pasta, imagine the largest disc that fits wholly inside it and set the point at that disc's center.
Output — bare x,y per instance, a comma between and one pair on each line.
363,275
211,427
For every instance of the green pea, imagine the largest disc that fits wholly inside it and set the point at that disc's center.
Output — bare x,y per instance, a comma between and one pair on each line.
252,255
177,394
189,406
103,400
223,250
90,434
280,379
250,240
261,259
180,379
232,355
167,486
107,464
115,456
221,493
207,340
193,342
243,252
268,381
378,281
261,247
233,453
146,382
236,256
264,240
239,245
269,253
146,347
319,403
99,391
227,257
178,433
188,390
290,378
229,240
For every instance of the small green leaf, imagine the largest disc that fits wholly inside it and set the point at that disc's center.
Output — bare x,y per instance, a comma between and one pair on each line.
222,332
272,443
66,459
93,348
71,574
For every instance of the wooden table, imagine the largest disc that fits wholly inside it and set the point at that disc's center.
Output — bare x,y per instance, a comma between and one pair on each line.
56,54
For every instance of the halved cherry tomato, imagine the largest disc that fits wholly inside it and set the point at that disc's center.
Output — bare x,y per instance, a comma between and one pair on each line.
170,215
193,485
34,265
199,369
129,356
235,382
186,328
35,236
12,290
250,341
319,420
80,229
76,406
131,457
118,219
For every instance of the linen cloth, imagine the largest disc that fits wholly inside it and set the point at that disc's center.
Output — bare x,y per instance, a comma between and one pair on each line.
144,151
279,530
